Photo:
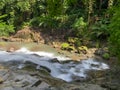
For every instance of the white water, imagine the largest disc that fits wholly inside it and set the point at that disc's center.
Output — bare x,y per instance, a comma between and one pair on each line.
66,71
41,53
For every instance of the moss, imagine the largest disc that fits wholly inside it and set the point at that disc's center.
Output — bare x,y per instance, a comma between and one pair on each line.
83,49
106,56
65,46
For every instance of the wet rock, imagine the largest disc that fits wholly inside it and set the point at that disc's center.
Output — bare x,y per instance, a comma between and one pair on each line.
36,55
3,74
103,52
45,69
37,83
78,79
43,85
93,87
1,80
12,64
95,65
2,67
11,49
9,88
22,80
111,86
54,60
29,66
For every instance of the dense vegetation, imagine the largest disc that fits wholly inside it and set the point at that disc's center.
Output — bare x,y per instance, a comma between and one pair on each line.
115,31
80,20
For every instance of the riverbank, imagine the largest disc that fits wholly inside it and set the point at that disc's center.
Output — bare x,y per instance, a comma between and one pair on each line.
13,46
33,35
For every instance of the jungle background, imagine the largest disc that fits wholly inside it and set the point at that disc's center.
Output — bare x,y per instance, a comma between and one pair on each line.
77,23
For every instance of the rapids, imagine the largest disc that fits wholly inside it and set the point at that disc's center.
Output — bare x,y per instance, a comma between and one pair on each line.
57,64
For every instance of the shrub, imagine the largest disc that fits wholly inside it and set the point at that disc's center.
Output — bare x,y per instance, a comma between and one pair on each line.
5,29
106,56
79,27
114,39
100,29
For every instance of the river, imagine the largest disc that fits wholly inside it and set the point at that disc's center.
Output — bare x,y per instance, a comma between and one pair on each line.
58,65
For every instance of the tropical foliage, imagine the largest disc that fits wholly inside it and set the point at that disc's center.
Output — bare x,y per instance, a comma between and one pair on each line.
115,31
82,19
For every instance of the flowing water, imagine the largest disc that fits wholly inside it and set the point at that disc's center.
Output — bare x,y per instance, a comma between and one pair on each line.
57,64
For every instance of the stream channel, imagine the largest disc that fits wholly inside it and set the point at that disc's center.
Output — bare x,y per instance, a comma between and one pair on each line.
59,66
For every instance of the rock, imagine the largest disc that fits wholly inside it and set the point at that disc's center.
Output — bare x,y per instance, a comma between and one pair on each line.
83,49
37,83
11,49
9,88
43,85
65,46
45,69
78,79
1,80
106,56
103,52
3,74
92,87
56,44
54,60
29,66
1,67
23,80
99,52
64,62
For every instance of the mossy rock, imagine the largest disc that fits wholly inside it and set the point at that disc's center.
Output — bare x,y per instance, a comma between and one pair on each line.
106,55
82,49
65,46
71,48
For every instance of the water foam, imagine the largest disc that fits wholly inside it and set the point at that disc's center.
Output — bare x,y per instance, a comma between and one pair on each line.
42,53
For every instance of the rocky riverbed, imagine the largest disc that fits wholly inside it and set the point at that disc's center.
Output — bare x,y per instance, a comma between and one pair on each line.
21,69
37,80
